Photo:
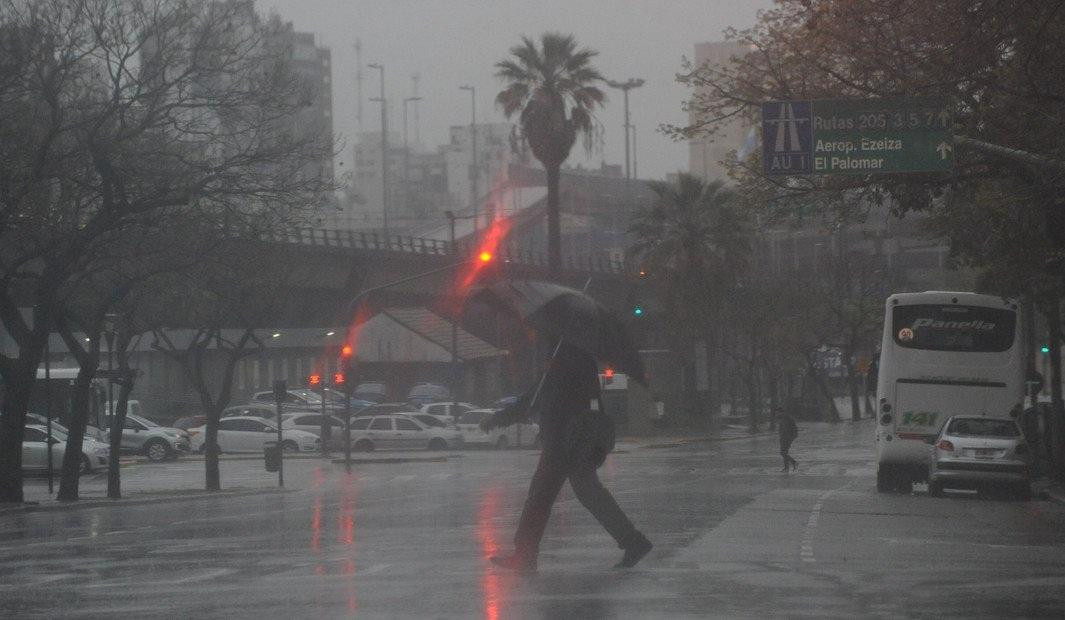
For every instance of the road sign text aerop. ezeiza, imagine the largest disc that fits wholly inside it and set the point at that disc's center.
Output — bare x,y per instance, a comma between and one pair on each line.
856,136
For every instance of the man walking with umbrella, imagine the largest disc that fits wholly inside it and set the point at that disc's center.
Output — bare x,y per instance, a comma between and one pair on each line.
570,452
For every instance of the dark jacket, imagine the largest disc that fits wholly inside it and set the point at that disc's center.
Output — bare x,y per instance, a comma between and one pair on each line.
569,385
787,428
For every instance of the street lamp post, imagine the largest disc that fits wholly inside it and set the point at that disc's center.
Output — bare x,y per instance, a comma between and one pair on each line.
625,87
451,217
406,154
474,194
384,150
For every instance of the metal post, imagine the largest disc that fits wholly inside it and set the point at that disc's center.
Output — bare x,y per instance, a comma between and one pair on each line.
406,154
280,388
384,151
625,87
347,419
454,333
48,407
474,194
325,429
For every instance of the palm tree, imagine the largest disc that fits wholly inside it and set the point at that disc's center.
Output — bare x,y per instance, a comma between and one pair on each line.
694,244
553,87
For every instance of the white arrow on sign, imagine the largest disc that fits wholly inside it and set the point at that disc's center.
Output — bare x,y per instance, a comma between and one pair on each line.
943,149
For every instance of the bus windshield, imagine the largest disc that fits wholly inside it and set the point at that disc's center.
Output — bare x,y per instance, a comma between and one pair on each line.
972,329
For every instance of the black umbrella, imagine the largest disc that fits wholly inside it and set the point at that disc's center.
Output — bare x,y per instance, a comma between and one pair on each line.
559,312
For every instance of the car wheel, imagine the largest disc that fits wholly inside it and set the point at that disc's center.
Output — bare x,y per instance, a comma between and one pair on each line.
502,443
935,489
364,445
289,446
157,450
437,444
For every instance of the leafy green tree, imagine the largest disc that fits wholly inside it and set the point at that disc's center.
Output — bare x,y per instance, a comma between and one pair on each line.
552,88
693,242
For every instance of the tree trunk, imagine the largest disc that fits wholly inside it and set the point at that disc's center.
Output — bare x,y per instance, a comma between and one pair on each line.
18,385
554,222
72,456
852,384
822,388
118,420
752,401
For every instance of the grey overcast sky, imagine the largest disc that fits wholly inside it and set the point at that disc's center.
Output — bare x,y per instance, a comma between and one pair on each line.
454,42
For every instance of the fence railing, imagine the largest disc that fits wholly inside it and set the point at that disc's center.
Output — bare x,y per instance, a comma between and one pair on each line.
372,241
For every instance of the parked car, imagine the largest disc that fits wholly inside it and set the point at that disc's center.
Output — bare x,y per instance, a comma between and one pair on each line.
248,434
386,408
158,443
90,430
95,455
373,391
397,432
447,410
312,423
432,420
254,410
524,434
980,453
425,393
295,399
187,422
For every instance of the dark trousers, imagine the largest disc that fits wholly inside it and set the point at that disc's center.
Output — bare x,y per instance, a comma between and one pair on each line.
785,445
551,473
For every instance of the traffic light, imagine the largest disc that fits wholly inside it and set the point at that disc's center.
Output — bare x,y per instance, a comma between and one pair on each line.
346,351
1044,349
314,380
637,311
339,379
485,257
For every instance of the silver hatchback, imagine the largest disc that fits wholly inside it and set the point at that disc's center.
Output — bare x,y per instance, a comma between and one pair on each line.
981,453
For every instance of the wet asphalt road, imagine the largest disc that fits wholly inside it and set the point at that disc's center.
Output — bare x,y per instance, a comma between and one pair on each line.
733,537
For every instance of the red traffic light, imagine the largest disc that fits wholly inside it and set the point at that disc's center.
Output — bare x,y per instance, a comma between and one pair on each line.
339,378
608,373
315,379
346,351
485,257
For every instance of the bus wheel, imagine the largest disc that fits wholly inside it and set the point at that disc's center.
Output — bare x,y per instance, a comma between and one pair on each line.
884,479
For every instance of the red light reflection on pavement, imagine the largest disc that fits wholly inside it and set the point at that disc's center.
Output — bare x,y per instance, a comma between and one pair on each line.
346,534
316,524
487,535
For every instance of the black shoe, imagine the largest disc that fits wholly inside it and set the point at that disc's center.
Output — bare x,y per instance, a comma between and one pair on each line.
634,553
515,561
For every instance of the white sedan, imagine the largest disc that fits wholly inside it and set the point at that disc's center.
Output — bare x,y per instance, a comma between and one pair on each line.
94,454
524,434
248,434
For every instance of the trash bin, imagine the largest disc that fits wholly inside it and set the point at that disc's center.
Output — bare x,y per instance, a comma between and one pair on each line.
272,455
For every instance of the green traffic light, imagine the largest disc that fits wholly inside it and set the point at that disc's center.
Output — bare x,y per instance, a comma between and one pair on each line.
637,311
1044,350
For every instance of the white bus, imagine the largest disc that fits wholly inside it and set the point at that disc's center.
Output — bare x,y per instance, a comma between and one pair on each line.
942,354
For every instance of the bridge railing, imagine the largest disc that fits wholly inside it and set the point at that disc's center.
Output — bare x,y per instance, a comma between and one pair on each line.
363,240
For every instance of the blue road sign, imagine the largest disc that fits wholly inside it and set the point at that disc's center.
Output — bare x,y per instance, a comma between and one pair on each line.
787,137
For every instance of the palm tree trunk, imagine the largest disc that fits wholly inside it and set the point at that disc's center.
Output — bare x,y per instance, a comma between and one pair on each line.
554,224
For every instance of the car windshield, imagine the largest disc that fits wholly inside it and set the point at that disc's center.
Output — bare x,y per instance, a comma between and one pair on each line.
982,427
144,421
308,396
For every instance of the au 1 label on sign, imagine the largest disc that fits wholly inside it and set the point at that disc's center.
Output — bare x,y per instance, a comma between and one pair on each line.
787,137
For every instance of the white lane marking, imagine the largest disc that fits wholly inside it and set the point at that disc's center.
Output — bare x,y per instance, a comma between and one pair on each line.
806,546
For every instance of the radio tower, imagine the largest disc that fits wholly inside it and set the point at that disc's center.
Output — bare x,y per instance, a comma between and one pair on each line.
415,78
358,83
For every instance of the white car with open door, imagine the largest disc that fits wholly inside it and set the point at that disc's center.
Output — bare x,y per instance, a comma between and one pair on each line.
524,434
248,434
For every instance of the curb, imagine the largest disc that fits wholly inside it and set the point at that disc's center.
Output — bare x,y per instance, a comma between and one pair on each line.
97,502
398,459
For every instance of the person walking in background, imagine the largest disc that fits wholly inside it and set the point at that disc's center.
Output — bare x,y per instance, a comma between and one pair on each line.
569,452
788,432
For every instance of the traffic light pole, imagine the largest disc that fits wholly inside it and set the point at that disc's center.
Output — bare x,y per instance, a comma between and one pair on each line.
280,389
